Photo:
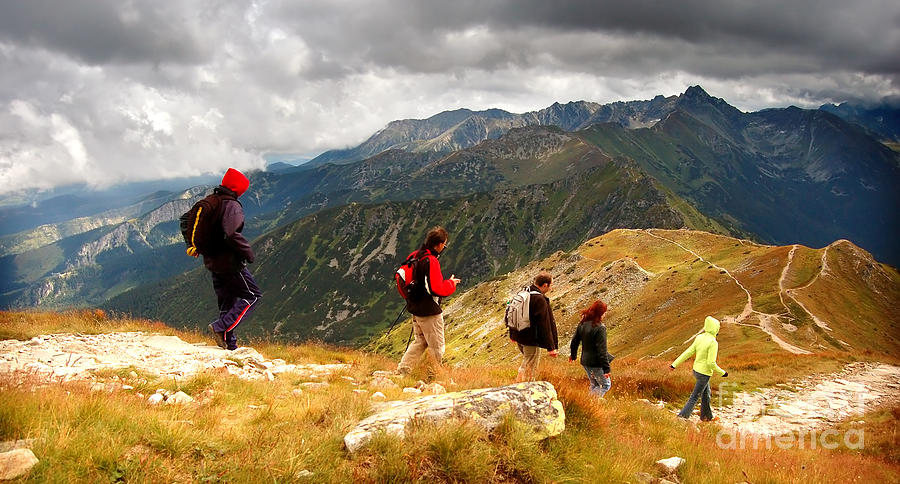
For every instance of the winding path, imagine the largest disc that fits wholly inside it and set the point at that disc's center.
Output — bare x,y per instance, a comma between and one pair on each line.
764,318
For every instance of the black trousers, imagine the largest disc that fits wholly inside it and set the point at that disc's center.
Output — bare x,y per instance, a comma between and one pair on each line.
237,294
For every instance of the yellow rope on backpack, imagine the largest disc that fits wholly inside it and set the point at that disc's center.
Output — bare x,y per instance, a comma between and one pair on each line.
192,250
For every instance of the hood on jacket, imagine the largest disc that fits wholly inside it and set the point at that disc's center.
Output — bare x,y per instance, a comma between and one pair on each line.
235,181
711,325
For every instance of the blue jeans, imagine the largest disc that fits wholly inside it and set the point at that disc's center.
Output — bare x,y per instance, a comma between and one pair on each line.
599,384
701,392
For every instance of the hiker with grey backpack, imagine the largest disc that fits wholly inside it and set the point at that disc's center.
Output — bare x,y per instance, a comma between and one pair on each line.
532,327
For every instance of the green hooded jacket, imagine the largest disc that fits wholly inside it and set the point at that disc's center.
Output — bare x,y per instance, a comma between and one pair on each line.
704,349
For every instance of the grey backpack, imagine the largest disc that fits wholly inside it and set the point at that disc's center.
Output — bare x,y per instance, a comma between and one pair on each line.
517,310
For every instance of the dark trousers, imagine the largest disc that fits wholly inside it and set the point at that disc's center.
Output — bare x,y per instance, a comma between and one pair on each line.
701,392
237,294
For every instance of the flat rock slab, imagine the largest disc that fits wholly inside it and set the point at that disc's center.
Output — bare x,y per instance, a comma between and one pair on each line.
533,403
63,357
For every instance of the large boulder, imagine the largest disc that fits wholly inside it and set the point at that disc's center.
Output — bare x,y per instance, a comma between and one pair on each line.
532,403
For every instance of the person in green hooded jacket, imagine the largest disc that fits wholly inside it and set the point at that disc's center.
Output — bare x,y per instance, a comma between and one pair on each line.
704,349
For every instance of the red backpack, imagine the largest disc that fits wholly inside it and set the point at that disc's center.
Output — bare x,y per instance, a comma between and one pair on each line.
406,274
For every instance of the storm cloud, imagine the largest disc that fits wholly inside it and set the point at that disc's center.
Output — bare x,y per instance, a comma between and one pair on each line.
106,91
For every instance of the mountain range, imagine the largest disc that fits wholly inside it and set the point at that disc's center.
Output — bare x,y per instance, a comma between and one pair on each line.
510,188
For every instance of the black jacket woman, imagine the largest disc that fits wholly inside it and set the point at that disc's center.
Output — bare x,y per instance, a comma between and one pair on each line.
591,335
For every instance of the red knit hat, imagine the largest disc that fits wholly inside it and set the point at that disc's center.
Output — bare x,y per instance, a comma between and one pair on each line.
235,181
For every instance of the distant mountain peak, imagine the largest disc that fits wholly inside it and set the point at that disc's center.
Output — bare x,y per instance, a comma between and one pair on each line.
696,92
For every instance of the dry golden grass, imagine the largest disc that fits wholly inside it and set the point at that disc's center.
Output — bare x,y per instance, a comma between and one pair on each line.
262,432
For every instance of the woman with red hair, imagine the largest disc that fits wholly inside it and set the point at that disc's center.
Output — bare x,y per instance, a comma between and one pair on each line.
591,334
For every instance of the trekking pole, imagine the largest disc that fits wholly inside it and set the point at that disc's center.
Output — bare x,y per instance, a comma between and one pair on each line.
396,320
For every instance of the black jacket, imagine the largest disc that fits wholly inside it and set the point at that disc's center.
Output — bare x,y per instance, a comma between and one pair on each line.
542,332
233,251
594,352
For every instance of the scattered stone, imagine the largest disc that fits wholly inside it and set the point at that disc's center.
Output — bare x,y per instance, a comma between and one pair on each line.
413,391
434,389
670,465
383,373
378,397
645,478
16,463
383,383
304,474
156,399
533,403
179,398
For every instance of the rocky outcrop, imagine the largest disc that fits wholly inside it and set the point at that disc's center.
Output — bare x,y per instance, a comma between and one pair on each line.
534,404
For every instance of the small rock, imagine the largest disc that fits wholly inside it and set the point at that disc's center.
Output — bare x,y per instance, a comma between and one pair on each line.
670,465
383,383
434,389
644,478
155,399
378,397
179,399
383,373
16,463
127,387
414,391
304,473
98,387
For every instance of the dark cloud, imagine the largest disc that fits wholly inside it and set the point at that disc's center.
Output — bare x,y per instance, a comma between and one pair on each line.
92,88
106,31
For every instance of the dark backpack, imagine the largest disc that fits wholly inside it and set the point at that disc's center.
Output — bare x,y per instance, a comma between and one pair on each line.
201,225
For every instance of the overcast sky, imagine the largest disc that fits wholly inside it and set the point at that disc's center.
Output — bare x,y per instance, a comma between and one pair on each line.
117,90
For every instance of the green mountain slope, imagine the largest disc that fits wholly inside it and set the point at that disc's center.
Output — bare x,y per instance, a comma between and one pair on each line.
329,275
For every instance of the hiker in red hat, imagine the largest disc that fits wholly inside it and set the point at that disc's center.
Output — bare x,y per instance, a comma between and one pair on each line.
235,288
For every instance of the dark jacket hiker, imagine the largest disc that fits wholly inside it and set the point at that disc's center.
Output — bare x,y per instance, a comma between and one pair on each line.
236,290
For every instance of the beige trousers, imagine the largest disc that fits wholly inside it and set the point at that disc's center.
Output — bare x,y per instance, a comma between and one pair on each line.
531,355
429,334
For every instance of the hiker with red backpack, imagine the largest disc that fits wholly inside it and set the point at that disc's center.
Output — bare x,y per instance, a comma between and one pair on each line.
423,291
540,330
215,233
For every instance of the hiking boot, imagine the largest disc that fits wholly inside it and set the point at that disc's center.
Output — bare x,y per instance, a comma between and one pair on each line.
219,337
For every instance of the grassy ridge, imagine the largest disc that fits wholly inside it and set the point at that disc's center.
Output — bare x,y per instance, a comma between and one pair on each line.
260,432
